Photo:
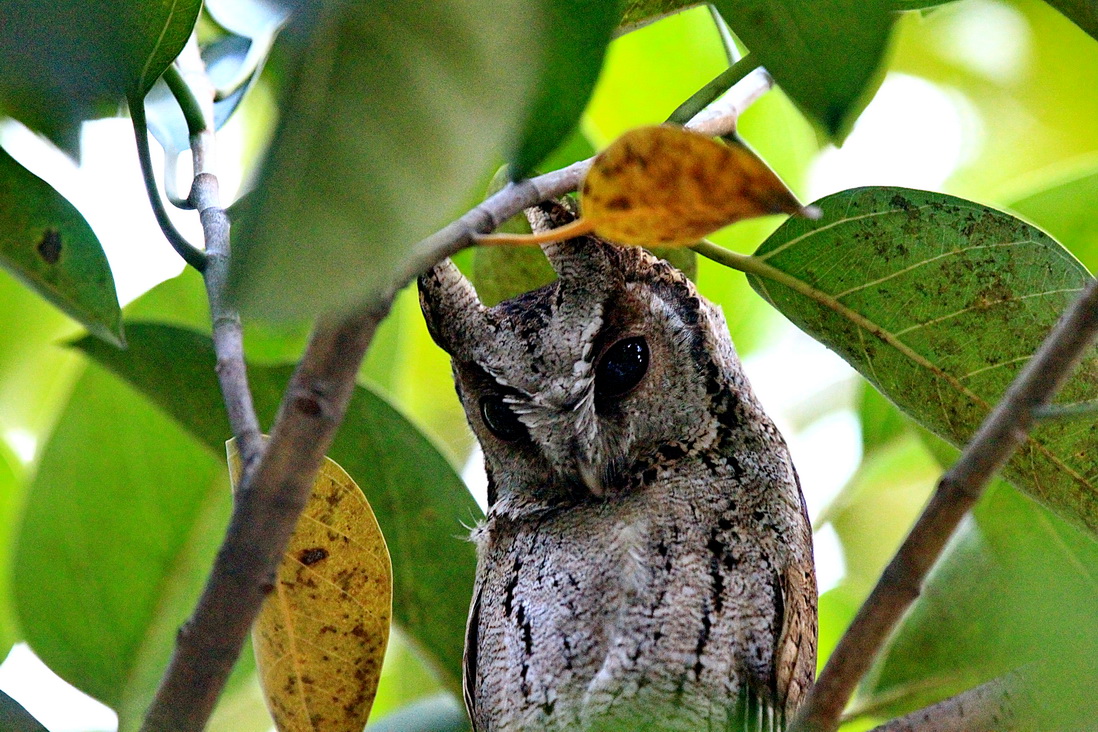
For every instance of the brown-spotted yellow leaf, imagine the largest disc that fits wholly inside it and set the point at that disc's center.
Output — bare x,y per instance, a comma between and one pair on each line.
668,186
321,636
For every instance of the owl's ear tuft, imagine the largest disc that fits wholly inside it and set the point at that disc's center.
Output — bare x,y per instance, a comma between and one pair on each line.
587,259
455,315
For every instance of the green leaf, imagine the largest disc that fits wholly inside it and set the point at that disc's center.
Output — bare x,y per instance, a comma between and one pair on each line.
120,527
636,13
881,421
420,503
572,53
12,489
359,171
827,55
1083,13
939,302
1063,209
68,61
45,242
1016,584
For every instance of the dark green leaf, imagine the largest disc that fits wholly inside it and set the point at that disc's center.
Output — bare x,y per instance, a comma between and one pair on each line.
1083,13
826,55
120,526
420,503
571,54
637,13
360,171
14,718
69,60
1064,210
1017,584
46,243
955,298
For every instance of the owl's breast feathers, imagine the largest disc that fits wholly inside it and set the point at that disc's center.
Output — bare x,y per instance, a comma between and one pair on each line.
687,604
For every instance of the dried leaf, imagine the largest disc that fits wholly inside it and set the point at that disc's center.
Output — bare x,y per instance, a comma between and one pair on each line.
321,636
668,186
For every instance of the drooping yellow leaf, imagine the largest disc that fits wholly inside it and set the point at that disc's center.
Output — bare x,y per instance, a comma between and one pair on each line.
666,186
321,635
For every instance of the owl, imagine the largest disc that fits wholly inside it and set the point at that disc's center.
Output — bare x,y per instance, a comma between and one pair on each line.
645,562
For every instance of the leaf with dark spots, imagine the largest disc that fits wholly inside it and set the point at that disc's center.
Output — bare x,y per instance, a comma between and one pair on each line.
939,302
46,243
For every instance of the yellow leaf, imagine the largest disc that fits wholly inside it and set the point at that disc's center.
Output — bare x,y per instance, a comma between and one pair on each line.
668,186
321,635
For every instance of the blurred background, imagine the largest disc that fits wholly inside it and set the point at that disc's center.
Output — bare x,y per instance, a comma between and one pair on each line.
989,100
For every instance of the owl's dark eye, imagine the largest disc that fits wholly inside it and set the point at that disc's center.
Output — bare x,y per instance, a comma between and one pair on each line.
500,419
622,367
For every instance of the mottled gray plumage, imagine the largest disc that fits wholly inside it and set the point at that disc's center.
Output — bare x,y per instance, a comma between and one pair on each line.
646,558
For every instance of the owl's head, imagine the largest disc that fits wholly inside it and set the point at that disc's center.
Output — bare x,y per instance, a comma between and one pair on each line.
577,388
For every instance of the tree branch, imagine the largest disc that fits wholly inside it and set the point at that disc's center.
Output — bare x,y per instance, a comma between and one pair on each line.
1001,433
990,706
270,497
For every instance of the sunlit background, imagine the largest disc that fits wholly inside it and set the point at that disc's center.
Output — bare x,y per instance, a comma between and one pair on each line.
983,99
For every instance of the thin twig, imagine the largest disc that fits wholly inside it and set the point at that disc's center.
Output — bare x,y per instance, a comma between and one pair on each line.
1002,432
991,706
190,254
179,695
1068,411
271,497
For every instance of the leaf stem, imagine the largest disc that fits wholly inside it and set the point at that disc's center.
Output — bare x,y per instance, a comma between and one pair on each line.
712,91
191,254
188,102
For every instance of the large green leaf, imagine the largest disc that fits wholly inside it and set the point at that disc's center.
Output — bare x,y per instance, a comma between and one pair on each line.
398,114
11,499
120,526
420,503
45,242
827,55
572,52
1083,13
1017,584
941,301
67,61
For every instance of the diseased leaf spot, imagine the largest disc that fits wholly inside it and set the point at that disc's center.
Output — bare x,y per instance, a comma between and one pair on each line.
310,557
50,246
